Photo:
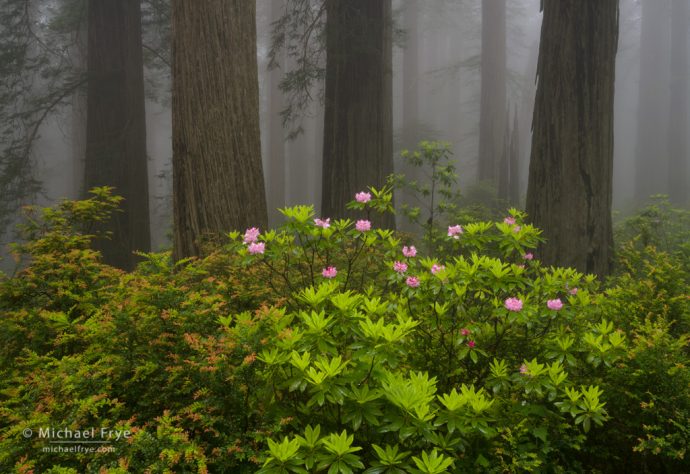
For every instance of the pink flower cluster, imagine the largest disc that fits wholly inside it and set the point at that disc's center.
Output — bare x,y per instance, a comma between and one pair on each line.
325,224
329,272
256,247
455,231
363,225
363,197
437,268
412,281
528,256
251,236
410,251
555,305
513,304
400,267
510,220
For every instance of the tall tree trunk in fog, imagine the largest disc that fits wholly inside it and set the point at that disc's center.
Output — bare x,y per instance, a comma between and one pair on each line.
275,176
218,180
116,124
570,174
492,114
678,124
358,137
652,136
514,163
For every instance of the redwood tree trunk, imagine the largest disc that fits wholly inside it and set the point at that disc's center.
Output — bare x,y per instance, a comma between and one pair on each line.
652,115
116,124
570,175
678,124
218,182
358,123
492,113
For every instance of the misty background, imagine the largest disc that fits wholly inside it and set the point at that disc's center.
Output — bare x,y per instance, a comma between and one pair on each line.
436,96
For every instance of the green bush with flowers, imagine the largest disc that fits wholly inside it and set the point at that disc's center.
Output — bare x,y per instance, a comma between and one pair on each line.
333,346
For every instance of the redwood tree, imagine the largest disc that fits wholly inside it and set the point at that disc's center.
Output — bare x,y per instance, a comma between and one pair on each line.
492,115
116,125
358,123
678,124
218,182
570,175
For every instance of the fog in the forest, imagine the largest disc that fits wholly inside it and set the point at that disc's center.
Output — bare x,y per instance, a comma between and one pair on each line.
436,96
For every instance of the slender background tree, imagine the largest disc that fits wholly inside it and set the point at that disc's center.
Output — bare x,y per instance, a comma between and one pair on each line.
116,124
492,117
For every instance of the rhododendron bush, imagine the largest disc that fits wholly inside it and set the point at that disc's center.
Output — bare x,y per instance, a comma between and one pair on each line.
326,345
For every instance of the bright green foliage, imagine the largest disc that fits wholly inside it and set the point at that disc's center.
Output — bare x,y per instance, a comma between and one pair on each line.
475,360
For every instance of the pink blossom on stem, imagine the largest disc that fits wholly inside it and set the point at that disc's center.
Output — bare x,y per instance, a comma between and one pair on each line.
363,197
455,231
412,281
513,304
256,247
471,344
410,251
523,369
400,267
555,305
573,291
465,332
437,268
516,228
363,225
528,256
510,220
329,272
251,235
323,223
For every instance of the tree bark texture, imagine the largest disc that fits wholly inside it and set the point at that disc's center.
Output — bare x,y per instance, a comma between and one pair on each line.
116,124
678,182
218,183
653,102
492,113
570,174
358,122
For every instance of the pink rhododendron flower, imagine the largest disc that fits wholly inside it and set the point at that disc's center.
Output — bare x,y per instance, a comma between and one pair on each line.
329,272
256,247
555,305
323,223
471,344
510,220
528,256
400,267
363,197
437,268
363,225
410,251
516,228
412,282
524,369
573,291
465,332
251,235
454,231
513,304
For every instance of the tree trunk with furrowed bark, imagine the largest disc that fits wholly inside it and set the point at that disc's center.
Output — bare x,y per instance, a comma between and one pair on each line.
358,124
570,175
218,183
